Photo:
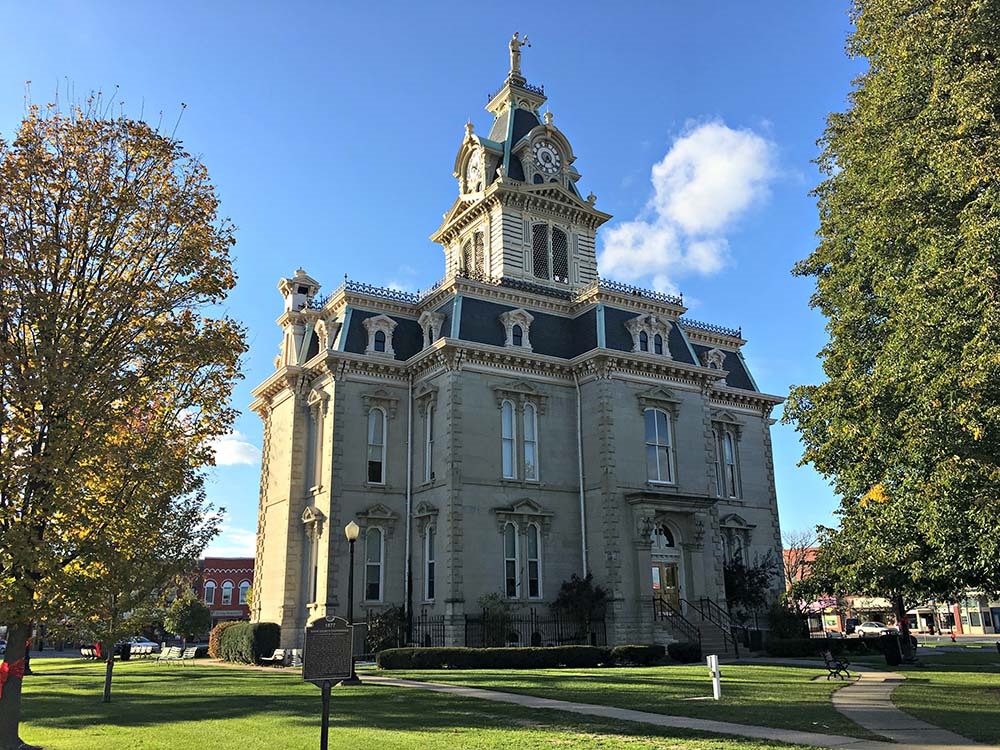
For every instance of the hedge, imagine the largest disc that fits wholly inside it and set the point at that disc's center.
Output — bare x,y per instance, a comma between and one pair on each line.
638,655
816,646
215,638
494,658
246,642
685,651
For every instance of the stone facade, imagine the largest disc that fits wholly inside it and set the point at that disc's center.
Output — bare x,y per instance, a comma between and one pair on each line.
524,419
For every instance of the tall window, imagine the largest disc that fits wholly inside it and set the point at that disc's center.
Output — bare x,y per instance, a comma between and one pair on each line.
510,571
643,341
530,442
508,440
227,592
429,562
540,250
560,256
480,252
517,336
659,458
658,344
209,592
376,446
380,341
534,563
429,443
245,589
468,264
729,461
373,565
719,479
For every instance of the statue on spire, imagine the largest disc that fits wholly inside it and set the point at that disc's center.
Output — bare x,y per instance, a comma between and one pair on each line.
515,53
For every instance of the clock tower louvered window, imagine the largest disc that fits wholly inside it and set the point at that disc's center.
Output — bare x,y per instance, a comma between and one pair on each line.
560,256
540,250
480,254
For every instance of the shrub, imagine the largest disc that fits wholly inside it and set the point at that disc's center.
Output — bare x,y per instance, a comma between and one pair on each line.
638,655
494,658
385,630
685,652
246,642
215,638
785,622
816,646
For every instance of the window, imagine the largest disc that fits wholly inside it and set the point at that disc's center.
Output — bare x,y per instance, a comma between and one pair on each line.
534,563
209,592
429,443
480,254
729,461
376,446
530,442
658,449
550,253
517,327
510,571
429,562
517,336
540,250
643,341
560,256
380,329
227,592
380,341
662,538
468,264
244,590
657,344
508,440
373,565
720,489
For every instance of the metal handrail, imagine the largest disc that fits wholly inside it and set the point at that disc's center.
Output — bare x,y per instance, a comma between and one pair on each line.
719,617
664,610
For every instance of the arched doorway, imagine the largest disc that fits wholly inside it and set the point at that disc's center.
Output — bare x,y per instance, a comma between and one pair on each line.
667,570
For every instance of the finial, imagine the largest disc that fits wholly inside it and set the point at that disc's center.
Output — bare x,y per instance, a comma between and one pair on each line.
469,127
500,171
515,53
548,118
591,199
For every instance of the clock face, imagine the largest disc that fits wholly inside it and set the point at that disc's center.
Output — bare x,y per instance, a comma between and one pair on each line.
547,157
472,175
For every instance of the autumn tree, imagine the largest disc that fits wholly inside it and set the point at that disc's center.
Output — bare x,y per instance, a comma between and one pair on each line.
112,263
907,422
188,615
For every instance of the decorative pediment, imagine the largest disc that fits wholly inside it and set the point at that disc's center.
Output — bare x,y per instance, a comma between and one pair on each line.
521,318
381,399
312,519
423,395
520,392
659,397
424,514
727,420
326,333
318,400
524,511
714,359
378,515
734,521
379,324
430,323
650,326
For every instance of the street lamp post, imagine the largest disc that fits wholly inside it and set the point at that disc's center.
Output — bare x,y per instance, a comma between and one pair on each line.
351,531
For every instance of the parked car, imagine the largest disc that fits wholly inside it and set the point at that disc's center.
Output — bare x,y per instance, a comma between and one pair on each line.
137,640
875,629
3,647
851,624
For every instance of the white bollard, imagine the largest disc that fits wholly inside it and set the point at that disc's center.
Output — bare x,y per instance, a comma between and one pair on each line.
713,668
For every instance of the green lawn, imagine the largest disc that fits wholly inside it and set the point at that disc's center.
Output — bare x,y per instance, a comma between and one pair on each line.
773,696
160,707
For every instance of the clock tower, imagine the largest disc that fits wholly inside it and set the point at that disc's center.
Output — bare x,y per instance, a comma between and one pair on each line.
519,214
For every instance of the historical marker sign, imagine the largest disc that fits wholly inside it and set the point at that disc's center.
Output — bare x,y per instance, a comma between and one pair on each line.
328,651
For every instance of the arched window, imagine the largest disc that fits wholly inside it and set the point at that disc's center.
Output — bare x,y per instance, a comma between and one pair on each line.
534,563
510,572
659,458
468,261
209,592
227,592
376,446
658,344
244,589
517,336
538,179
480,254
560,256
380,341
540,250
643,341
508,440
373,564
429,562
429,443
729,458
530,442
662,538
719,479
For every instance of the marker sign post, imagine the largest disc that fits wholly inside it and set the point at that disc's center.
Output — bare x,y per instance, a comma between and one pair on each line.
327,659
713,668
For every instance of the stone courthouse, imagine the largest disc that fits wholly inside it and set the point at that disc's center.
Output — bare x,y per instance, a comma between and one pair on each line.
522,421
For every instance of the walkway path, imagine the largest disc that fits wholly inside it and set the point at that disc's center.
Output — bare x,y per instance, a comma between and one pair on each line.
930,739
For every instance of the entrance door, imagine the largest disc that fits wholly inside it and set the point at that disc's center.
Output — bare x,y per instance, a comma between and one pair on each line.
665,584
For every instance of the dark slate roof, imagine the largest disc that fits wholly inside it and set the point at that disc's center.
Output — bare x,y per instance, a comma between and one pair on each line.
738,376
616,335
524,121
446,309
407,338
552,335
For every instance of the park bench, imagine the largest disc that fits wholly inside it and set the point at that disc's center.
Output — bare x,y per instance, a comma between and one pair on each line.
275,659
88,652
189,653
171,654
836,667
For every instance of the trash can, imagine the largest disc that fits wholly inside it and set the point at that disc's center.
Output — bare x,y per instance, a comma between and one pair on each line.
126,651
890,648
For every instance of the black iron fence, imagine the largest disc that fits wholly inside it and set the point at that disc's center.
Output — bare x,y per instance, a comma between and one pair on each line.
492,629
392,629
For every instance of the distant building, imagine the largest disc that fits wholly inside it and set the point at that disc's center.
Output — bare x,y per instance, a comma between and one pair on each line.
223,583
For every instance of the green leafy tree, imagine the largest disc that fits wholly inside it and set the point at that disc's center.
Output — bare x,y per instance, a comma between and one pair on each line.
582,601
187,616
749,585
907,271
112,263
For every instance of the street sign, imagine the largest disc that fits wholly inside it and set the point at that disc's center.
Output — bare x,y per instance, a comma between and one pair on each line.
328,651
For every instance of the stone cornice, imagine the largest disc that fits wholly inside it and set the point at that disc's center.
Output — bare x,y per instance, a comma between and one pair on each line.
710,338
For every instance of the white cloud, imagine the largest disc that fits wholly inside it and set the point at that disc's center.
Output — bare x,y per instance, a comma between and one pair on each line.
233,542
708,179
233,449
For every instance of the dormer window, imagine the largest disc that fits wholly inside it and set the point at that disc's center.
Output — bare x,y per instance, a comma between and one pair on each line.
430,323
380,328
517,327
643,341
713,359
657,344
644,328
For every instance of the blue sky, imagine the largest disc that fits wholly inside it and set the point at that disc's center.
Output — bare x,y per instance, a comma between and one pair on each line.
330,131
